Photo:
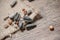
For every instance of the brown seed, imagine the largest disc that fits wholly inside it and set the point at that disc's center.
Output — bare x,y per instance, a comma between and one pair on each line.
24,11
6,18
13,4
51,28
9,21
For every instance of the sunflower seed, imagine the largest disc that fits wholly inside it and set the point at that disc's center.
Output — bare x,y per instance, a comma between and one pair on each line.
30,26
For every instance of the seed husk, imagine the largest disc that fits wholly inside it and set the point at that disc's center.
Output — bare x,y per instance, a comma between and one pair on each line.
30,26
27,19
17,17
29,12
21,25
13,4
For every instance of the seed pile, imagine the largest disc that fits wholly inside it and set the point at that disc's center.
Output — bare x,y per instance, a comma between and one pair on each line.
24,22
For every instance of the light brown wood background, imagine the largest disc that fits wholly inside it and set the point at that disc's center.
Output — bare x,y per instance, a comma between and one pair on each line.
49,10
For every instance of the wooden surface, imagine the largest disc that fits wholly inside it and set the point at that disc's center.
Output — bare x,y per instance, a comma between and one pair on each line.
49,10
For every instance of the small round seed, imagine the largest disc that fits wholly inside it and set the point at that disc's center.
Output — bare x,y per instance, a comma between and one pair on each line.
51,28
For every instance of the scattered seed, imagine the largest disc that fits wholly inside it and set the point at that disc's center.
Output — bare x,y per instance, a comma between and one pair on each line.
17,18
21,25
51,28
27,19
30,26
24,11
13,4
29,12
6,18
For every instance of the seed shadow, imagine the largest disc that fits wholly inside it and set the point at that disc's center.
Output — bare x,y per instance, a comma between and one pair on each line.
37,18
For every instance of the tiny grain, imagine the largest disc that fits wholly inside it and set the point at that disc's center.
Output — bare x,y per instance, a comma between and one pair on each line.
51,28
